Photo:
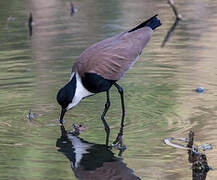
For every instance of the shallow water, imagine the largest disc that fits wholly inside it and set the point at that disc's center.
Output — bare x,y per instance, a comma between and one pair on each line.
159,89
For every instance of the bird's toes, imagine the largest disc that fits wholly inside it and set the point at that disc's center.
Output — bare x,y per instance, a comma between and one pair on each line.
118,143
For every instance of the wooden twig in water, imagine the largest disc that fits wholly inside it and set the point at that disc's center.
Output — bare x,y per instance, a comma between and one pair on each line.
178,16
30,23
190,139
169,33
197,158
199,162
72,9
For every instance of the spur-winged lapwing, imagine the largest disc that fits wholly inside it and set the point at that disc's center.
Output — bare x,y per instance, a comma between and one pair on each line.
101,65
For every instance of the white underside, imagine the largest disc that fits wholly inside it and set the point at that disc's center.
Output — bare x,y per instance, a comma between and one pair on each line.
80,149
80,92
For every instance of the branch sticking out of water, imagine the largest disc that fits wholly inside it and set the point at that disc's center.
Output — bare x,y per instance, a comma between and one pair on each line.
196,154
72,9
30,23
172,4
199,162
178,18
190,139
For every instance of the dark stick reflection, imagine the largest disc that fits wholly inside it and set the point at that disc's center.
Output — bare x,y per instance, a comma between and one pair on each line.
92,161
178,18
72,9
169,33
30,23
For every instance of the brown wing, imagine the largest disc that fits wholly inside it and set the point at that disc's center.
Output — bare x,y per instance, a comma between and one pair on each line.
112,57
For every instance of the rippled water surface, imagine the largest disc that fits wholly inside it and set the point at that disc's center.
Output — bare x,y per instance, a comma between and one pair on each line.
159,89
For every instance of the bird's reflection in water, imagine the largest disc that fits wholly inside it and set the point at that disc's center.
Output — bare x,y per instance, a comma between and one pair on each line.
91,161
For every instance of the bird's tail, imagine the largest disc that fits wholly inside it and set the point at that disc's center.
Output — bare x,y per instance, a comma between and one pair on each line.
153,23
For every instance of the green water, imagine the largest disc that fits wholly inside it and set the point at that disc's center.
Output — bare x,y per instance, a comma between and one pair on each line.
159,89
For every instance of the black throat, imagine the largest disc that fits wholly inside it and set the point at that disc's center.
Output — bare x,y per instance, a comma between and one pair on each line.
66,94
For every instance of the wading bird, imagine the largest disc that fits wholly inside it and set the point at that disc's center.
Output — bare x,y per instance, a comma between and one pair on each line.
101,65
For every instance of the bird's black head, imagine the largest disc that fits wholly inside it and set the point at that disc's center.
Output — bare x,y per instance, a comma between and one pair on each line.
65,95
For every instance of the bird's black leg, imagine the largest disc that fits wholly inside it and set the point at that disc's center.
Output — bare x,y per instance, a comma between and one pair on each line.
107,129
119,142
63,131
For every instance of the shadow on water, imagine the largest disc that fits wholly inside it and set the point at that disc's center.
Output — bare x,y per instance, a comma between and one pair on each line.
92,161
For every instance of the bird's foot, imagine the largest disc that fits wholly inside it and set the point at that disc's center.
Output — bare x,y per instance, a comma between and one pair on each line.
118,143
61,122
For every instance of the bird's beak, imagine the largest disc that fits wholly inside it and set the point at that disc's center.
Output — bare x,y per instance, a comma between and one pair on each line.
62,115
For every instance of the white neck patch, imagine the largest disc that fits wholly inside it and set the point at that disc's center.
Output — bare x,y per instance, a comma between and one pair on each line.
80,91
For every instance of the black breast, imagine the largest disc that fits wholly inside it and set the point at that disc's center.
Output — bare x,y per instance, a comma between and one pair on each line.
96,83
